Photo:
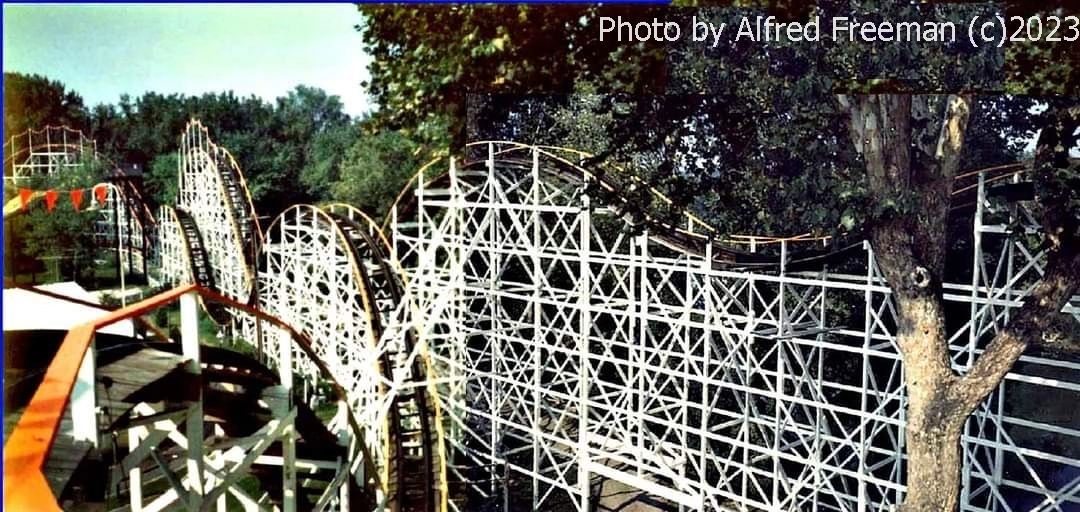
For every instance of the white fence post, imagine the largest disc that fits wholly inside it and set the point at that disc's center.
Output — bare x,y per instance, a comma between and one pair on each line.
189,342
83,401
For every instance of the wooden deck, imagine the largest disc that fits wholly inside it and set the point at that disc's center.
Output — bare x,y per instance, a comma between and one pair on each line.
139,374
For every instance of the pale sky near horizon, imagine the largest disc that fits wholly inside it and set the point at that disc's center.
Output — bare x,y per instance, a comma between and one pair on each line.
102,51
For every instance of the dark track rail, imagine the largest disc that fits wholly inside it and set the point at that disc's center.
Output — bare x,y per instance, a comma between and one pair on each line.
608,193
236,192
412,419
200,263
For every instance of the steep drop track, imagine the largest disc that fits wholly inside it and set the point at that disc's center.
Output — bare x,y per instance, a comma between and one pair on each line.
200,263
412,437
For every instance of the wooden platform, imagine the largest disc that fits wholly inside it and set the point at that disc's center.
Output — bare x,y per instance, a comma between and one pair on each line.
140,374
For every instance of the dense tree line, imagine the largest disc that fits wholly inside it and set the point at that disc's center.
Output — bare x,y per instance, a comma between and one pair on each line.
302,147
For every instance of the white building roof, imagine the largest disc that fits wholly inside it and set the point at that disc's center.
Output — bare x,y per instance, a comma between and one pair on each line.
25,310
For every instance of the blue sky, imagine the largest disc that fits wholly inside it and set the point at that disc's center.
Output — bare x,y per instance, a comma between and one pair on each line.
102,51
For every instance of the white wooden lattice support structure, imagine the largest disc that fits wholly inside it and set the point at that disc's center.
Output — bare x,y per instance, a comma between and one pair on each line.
581,350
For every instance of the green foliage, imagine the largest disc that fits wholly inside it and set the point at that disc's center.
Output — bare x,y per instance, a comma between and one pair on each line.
63,239
34,102
300,138
747,134
1041,67
160,180
325,154
423,73
375,169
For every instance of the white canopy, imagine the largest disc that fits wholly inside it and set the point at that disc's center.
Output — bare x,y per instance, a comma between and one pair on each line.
25,310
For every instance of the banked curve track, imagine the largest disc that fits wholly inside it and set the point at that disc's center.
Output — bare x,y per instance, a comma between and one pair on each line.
567,169
329,273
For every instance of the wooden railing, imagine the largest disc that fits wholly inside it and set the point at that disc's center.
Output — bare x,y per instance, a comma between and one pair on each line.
27,449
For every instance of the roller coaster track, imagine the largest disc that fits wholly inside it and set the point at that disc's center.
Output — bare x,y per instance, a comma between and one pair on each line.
377,296
213,192
412,416
62,150
239,198
46,150
195,253
566,166
299,242
659,356
686,314
239,399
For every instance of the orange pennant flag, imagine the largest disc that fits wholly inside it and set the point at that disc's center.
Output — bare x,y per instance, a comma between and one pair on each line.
76,198
24,197
100,192
50,199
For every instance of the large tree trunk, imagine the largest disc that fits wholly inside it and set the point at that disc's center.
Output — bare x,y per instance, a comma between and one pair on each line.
934,461
911,149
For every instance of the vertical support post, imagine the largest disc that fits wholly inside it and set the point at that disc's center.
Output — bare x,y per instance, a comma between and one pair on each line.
1011,243
288,437
119,243
685,347
494,324
748,370
128,232
189,342
639,366
536,277
288,465
782,328
819,352
83,403
135,500
584,327
707,344
976,321
868,329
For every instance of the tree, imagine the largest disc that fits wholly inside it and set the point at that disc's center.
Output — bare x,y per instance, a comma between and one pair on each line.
319,133
62,237
34,102
911,146
422,75
375,169
299,138
160,180
324,156
1040,66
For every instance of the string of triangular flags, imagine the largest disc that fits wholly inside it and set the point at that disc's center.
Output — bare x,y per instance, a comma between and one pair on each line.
100,192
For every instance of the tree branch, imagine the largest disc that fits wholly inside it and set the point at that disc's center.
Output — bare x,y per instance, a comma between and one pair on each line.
940,142
1033,322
